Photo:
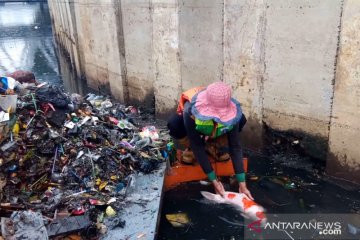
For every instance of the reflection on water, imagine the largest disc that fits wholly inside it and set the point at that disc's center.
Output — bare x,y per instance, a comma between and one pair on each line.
26,41
208,220
10,15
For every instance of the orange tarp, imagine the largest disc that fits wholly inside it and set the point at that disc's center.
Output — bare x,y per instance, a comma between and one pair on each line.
180,173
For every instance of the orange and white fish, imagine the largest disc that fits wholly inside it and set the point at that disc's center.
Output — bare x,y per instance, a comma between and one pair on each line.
248,207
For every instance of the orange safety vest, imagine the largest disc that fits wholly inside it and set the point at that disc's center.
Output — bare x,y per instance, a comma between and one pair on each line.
186,97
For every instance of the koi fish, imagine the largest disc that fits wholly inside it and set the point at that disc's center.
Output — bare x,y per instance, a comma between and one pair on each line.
249,208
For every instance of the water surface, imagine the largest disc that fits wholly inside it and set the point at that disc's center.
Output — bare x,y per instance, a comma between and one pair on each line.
26,41
314,193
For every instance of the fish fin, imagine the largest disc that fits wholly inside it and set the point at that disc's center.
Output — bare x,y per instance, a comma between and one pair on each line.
212,197
208,195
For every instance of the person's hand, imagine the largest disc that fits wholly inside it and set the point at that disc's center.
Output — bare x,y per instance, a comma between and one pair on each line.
243,189
219,188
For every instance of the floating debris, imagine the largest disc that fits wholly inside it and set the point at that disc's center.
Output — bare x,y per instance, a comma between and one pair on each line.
65,156
205,183
254,178
178,219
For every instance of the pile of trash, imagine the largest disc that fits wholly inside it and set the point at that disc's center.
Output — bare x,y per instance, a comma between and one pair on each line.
71,158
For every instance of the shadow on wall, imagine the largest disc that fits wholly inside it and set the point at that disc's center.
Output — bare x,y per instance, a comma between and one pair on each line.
148,105
306,144
339,170
71,82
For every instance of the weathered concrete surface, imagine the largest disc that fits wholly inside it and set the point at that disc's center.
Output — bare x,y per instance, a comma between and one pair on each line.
279,56
301,43
142,211
244,42
344,150
137,25
167,83
99,44
65,31
200,41
90,40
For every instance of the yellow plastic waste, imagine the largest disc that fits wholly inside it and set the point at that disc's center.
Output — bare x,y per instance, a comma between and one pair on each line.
178,219
98,181
110,212
16,129
103,185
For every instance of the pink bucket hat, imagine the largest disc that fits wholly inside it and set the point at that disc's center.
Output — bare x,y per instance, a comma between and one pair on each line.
215,103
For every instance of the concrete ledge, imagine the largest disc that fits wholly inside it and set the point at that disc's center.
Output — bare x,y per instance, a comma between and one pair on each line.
142,213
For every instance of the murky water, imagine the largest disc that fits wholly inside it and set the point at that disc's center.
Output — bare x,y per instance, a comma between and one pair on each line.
315,193
26,41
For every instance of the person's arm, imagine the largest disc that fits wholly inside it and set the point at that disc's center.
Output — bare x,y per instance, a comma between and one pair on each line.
198,147
236,153
237,159
197,144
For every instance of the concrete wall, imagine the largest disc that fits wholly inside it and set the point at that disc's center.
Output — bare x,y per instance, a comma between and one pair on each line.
166,60
137,25
344,151
291,63
301,44
243,65
87,31
200,41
